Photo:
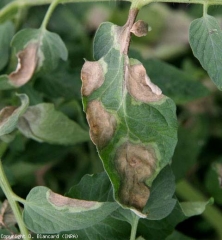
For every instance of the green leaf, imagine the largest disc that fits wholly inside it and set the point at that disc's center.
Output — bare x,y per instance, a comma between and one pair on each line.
174,83
60,84
6,34
191,139
48,212
132,124
96,187
9,116
160,229
5,83
194,208
50,47
178,235
161,203
44,124
206,43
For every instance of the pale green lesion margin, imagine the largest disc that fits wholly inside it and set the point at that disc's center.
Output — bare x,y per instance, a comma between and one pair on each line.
13,200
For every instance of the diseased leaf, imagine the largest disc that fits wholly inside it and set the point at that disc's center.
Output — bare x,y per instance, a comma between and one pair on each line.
161,201
48,212
139,28
50,47
131,122
44,124
149,229
27,62
174,83
9,116
7,218
206,43
97,187
6,34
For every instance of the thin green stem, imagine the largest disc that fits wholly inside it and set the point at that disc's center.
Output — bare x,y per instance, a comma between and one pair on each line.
205,8
49,13
3,147
134,227
212,214
13,7
140,3
4,184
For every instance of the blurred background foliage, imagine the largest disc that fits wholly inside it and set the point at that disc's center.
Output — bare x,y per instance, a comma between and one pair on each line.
198,156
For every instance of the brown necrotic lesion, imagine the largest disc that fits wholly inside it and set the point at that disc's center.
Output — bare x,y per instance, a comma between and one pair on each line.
102,123
92,77
135,163
140,86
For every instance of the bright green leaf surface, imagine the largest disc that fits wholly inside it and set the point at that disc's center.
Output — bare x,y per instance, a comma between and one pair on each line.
47,212
143,129
9,116
44,124
206,43
50,47
161,203
6,34
174,83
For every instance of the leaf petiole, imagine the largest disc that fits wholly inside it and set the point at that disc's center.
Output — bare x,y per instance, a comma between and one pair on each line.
49,13
12,199
134,227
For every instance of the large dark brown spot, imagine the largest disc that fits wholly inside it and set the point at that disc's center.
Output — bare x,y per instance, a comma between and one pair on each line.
92,77
102,124
27,62
135,164
139,85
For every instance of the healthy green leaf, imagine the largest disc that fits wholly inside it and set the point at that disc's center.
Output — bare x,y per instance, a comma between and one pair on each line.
191,139
9,116
5,83
161,203
60,84
50,47
44,124
206,43
97,187
132,124
6,34
48,212
178,235
194,208
174,83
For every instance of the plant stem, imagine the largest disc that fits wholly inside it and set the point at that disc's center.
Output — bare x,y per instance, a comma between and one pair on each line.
134,227
3,148
49,13
13,7
4,184
212,214
205,7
